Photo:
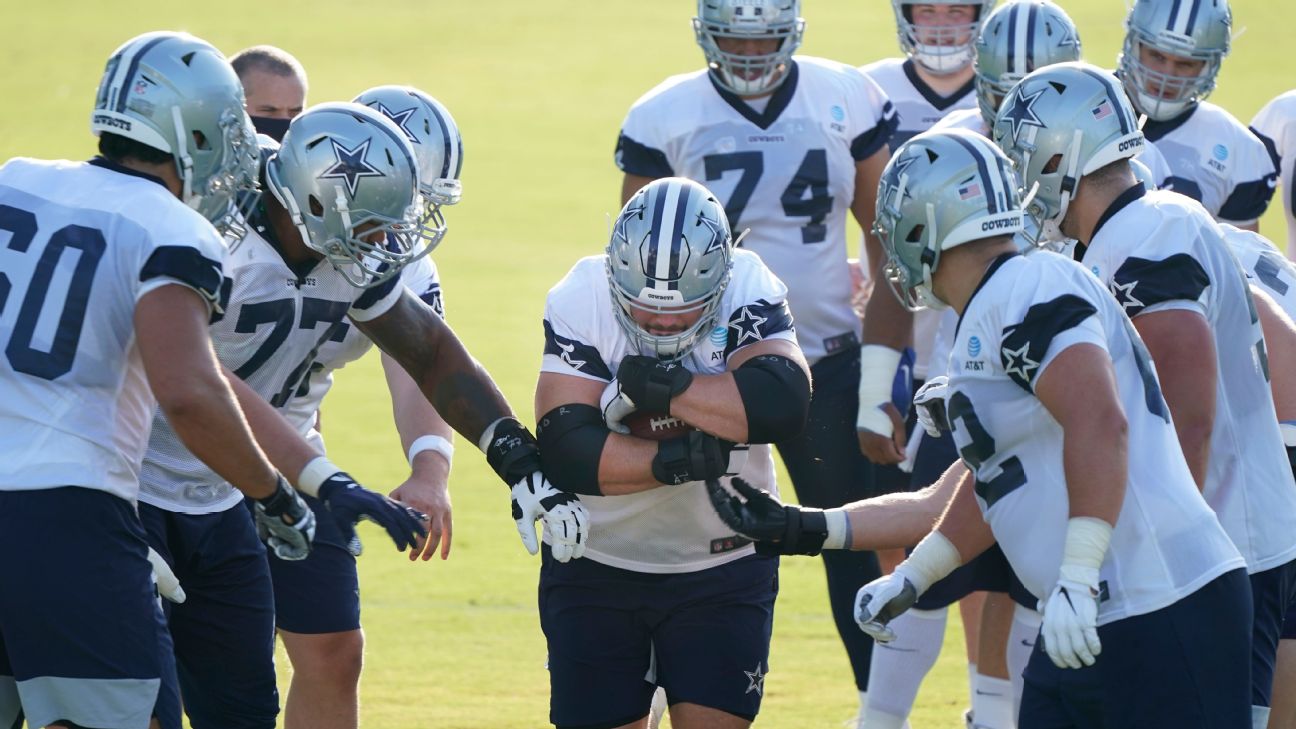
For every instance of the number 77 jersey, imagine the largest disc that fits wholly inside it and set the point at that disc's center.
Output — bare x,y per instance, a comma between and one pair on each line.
786,171
278,318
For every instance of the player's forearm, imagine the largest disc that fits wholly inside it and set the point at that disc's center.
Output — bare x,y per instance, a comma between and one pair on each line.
712,404
625,466
211,425
282,444
886,322
962,523
895,521
413,414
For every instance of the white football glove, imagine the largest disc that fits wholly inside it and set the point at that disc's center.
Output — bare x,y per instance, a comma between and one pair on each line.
930,401
1070,629
616,406
881,600
168,585
565,519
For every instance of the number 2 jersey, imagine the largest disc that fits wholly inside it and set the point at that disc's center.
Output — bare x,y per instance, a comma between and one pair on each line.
1158,251
82,244
787,173
1166,542
278,318
670,528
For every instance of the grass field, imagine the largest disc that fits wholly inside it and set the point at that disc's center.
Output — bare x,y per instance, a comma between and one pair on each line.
539,90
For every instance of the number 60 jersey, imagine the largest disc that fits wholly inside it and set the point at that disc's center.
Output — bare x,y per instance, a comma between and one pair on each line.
787,172
278,319
1166,543
80,245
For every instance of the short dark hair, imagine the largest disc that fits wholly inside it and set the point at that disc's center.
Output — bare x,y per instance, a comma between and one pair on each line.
270,59
117,148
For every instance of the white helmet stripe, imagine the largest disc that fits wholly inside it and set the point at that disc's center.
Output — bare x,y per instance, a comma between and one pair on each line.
989,171
1017,32
663,223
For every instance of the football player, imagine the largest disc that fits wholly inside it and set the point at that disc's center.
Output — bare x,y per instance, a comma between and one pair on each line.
789,144
275,84
1045,371
1172,54
1275,125
326,245
119,258
317,604
1070,129
675,327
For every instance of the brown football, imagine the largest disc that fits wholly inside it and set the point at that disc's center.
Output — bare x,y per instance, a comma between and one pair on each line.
655,426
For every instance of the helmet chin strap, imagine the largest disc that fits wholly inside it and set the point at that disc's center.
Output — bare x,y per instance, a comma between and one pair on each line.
184,163
926,294
1052,228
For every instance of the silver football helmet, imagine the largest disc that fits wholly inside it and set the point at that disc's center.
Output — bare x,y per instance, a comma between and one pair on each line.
428,126
1200,30
348,177
941,189
943,49
1059,124
741,74
1019,37
670,253
177,94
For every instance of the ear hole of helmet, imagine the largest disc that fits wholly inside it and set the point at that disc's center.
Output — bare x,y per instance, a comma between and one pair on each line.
316,207
1053,165
916,233
200,141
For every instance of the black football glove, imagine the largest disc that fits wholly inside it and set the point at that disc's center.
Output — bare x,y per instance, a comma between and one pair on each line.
775,527
650,383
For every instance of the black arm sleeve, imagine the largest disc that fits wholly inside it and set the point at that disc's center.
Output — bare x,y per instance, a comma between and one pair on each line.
776,394
571,445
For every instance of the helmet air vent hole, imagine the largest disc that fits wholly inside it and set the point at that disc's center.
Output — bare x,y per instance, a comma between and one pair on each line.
188,57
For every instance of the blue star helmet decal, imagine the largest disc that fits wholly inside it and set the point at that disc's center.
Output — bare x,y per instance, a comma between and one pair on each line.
1022,112
350,166
400,119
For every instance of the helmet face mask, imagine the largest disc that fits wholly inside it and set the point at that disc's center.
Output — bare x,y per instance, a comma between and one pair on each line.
669,257
940,190
746,20
348,179
438,146
1059,124
1176,31
177,94
1039,28
940,49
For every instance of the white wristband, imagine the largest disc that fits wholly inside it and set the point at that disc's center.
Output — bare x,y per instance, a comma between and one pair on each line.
315,474
839,529
877,372
933,559
431,443
1086,542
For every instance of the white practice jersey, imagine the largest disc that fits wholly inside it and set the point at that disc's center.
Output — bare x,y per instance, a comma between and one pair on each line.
278,318
1265,266
348,345
671,528
918,109
1275,125
787,173
1217,161
1166,543
1158,251
83,242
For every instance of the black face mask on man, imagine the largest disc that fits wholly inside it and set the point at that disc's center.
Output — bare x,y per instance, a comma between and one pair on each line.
271,127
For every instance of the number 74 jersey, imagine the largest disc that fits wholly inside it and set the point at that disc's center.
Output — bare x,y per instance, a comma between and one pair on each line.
787,173
1029,309
277,320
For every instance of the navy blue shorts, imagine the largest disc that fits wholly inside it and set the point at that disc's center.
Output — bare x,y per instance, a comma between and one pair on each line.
1186,666
224,631
1289,623
988,571
82,637
614,634
1272,592
319,594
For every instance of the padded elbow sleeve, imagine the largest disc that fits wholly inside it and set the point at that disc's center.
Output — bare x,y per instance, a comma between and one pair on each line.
776,394
571,445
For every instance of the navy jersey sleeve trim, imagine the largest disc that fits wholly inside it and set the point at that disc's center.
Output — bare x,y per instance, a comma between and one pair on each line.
868,143
1249,200
432,297
577,355
1026,344
189,266
374,294
756,322
639,159
1140,283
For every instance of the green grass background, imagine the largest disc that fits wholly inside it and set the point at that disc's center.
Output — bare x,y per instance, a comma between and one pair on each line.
539,90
